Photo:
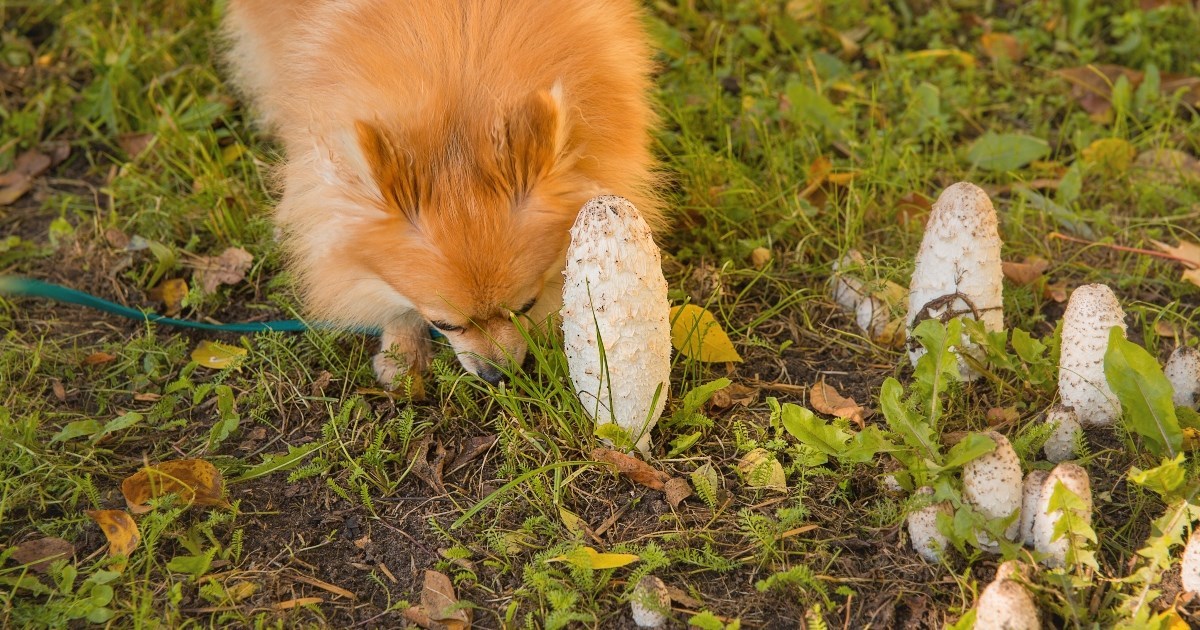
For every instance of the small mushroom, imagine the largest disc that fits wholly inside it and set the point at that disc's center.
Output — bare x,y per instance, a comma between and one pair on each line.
1091,312
922,528
958,270
1061,444
1031,496
1075,479
872,302
615,293
992,484
1189,572
650,602
1006,604
1183,370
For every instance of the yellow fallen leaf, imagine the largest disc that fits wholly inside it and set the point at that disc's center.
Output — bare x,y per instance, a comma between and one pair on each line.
1112,156
196,481
1002,45
1193,276
297,602
588,558
120,530
964,58
218,356
760,469
696,334
1186,252
571,520
171,293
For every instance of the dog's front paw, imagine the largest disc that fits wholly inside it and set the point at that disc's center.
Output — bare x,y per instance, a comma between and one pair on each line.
401,362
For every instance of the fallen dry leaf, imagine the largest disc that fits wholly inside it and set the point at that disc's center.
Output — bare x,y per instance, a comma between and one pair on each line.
195,480
39,553
679,596
824,398
297,602
1056,291
733,394
56,386
98,358
325,586
1193,276
470,450
120,530
430,471
1001,415
438,600
676,490
18,181
632,468
134,144
1025,273
228,268
171,293
1002,46
1163,328
216,355
1091,86
912,210
1186,252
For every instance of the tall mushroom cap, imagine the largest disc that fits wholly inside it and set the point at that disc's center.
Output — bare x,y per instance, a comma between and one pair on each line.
1189,572
1091,312
1075,479
922,528
1006,604
1061,445
992,483
614,292
1183,370
1031,497
958,270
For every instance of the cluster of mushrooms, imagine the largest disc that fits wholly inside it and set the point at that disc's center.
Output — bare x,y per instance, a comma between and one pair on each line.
617,338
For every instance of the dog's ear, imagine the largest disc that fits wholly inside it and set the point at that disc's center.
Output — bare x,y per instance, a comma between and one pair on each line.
389,168
534,137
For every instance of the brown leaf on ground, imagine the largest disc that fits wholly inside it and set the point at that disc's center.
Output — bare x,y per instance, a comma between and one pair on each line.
676,490
120,530
1002,45
195,480
1163,328
134,144
426,470
1025,273
438,600
470,450
679,596
58,150
1091,86
228,268
632,468
171,293
912,210
1056,291
39,553
997,416
1172,83
824,398
733,394
32,163
56,386
297,602
18,181
1186,253
1193,276
98,358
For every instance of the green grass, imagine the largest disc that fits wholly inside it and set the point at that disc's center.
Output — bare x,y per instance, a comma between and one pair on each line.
334,480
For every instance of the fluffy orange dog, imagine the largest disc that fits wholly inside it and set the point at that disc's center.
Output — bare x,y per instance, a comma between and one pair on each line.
438,152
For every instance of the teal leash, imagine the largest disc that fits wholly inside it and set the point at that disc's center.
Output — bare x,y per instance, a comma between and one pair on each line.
28,287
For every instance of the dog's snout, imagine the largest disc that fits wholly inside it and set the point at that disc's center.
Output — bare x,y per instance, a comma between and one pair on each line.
490,373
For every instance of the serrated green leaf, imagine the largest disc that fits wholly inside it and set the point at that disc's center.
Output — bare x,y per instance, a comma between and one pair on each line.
865,445
683,443
970,447
617,436
1165,479
912,429
1006,151
76,429
1145,394
812,431
938,367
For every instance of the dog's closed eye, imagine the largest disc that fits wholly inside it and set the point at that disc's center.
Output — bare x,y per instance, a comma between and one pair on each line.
444,327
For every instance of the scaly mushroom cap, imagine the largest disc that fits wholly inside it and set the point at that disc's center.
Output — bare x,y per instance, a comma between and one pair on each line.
650,602
1183,370
922,528
1091,312
1031,497
1075,479
992,483
958,269
1190,565
1006,604
614,291
1061,445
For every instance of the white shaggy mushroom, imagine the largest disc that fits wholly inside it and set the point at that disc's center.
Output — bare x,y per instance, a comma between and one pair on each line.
1091,312
1183,370
1060,446
1190,565
650,602
1075,479
922,528
1031,497
614,292
958,269
1006,604
992,483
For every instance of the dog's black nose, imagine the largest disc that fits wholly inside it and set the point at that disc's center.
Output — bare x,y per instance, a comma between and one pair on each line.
491,374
